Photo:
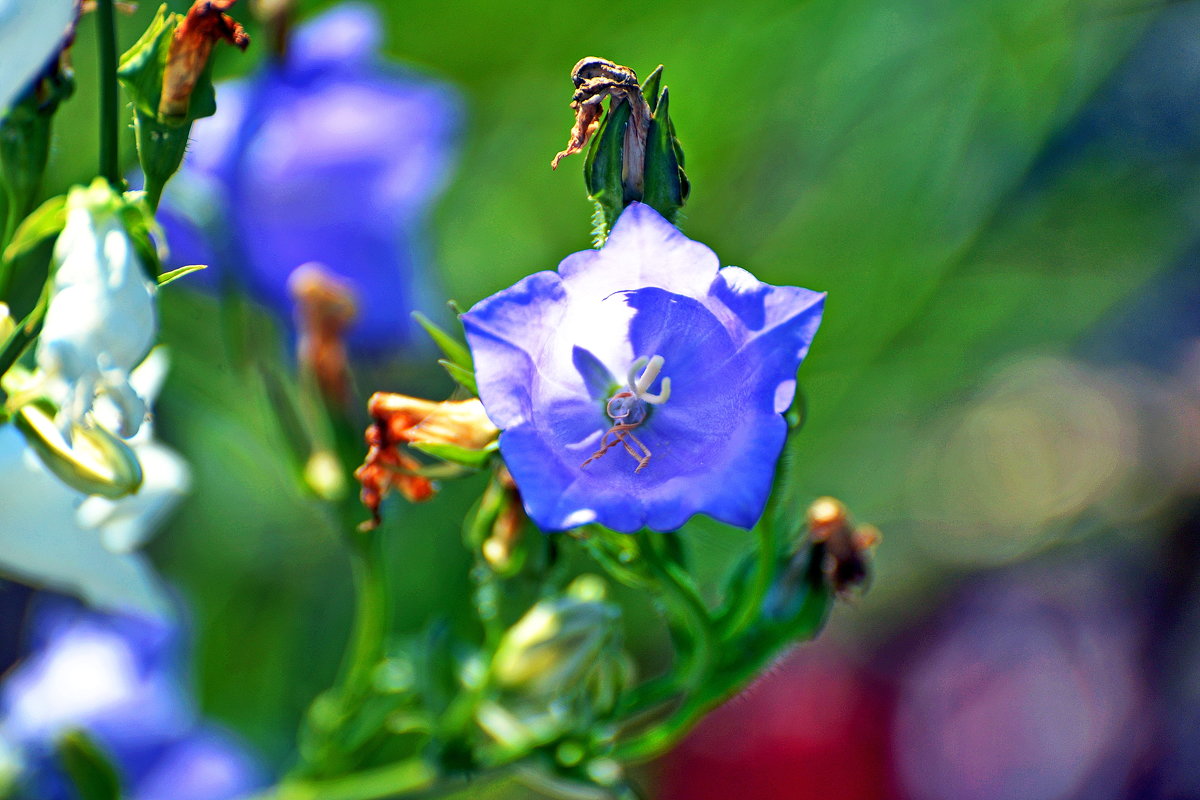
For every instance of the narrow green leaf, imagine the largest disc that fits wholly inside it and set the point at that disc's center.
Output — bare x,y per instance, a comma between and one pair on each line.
46,221
463,377
176,274
455,350
90,770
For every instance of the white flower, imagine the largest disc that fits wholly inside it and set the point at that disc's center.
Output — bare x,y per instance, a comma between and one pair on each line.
56,537
31,32
100,322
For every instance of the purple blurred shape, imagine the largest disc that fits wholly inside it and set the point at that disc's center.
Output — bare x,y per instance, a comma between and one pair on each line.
328,155
119,680
1026,689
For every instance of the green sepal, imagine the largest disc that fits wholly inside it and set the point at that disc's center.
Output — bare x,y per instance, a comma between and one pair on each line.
141,68
666,187
602,170
176,274
94,462
161,139
144,231
650,87
463,377
475,459
90,770
456,352
25,138
46,221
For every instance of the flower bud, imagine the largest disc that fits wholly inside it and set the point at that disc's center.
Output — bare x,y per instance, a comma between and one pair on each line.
93,461
168,74
634,154
558,642
100,322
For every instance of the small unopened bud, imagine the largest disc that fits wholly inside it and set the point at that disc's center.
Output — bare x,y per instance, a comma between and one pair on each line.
94,461
325,309
205,25
558,642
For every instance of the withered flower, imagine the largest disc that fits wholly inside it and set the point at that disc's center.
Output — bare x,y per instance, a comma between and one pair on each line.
843,547
325,308
205,25
399,420
596,78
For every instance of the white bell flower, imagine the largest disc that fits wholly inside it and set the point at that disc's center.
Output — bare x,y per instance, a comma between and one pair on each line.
101,319
31,32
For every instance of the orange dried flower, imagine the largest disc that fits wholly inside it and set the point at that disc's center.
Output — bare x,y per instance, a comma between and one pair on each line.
399,419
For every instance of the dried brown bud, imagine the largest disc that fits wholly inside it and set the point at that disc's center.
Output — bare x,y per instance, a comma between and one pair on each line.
596,78
191,47
843,548
400,419
325,308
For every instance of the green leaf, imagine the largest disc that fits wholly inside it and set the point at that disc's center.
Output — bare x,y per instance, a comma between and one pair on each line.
474,459
664,183
464,377
46,221
455,350
176,274
90,770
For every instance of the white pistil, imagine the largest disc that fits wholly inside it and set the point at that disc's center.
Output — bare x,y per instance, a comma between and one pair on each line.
640,385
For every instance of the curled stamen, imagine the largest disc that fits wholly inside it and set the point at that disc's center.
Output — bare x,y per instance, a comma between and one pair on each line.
627,409
641,385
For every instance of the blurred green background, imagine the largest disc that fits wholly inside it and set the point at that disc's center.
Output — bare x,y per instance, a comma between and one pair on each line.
937,166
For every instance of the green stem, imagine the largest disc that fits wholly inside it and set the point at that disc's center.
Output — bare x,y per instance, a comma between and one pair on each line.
749,605
681,597
110,126
724,683
370,612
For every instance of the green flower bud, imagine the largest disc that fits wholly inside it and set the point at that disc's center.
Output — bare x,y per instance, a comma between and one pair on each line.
168,73
558,642
94,461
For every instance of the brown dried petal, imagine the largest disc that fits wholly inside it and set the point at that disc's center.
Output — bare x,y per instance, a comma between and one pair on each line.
596,78
191,48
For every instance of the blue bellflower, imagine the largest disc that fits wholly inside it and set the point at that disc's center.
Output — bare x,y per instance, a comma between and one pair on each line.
328,155
640,383
117,678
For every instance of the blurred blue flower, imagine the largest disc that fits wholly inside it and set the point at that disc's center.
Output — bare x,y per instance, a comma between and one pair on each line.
328,155
118,679
644,347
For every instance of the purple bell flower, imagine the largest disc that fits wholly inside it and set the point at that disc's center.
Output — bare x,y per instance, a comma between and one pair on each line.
328,155
667,375
116,678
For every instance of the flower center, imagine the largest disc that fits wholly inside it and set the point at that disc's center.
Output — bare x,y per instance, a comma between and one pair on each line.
628,409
